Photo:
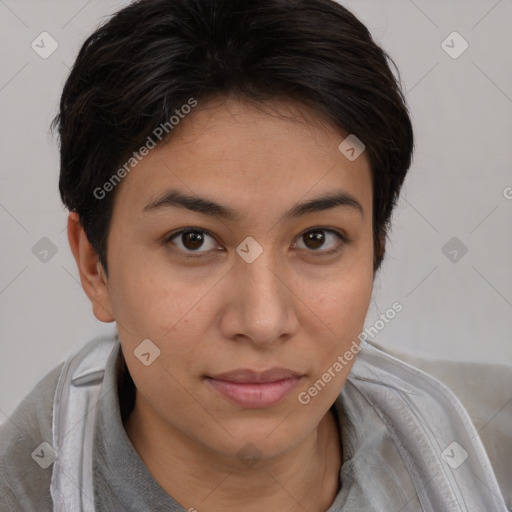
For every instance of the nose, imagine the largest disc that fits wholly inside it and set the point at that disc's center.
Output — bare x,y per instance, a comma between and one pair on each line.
262,307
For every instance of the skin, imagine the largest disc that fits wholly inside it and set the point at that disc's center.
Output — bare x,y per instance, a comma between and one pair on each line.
289,308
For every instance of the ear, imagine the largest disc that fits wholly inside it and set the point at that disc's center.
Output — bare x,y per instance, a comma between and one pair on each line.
92,276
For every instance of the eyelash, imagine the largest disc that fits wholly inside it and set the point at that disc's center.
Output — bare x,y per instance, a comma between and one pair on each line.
318,253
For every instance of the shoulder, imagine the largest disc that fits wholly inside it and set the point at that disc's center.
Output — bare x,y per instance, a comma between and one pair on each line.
24,484
485,390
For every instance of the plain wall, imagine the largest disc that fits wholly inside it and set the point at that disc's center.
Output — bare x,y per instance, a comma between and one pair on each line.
457,187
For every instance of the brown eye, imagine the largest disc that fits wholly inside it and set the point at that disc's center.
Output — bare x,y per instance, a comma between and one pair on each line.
314,239
322,241
191,240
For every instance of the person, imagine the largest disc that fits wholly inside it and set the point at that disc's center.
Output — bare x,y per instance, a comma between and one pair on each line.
230,168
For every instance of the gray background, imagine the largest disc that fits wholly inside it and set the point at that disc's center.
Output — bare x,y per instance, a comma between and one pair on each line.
462,113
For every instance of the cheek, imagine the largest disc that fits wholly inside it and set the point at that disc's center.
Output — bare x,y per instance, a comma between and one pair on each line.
152,298
341,297
158,306
341,307
166,388
347,303
338,307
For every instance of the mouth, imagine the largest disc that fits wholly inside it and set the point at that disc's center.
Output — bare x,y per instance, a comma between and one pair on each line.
252,389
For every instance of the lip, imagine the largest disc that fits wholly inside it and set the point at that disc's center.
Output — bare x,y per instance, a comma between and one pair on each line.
248,376
252,389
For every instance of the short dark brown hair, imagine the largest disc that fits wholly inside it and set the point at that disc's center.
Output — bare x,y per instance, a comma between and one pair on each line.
151,57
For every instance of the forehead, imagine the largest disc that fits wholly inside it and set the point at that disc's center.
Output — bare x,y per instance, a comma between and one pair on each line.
264,155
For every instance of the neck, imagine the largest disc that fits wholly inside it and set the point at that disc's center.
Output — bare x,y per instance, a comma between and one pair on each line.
306,477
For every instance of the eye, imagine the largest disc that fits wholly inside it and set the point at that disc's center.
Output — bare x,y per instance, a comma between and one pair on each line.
321,240
195,242
190,240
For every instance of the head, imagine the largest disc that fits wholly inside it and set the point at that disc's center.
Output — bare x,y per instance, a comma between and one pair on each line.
213,210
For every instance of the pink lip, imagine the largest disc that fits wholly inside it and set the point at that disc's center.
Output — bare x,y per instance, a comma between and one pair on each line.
251,389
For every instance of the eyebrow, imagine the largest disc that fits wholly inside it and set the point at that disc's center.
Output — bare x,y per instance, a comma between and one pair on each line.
176,199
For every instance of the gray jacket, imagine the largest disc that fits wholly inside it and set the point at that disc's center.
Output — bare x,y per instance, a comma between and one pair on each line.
409,443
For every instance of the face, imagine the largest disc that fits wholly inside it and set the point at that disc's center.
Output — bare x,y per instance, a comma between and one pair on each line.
250,300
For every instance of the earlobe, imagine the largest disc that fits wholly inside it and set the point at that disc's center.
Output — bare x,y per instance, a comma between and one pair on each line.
92,275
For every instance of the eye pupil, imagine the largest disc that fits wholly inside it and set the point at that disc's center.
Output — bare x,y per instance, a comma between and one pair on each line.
314,239
192,239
